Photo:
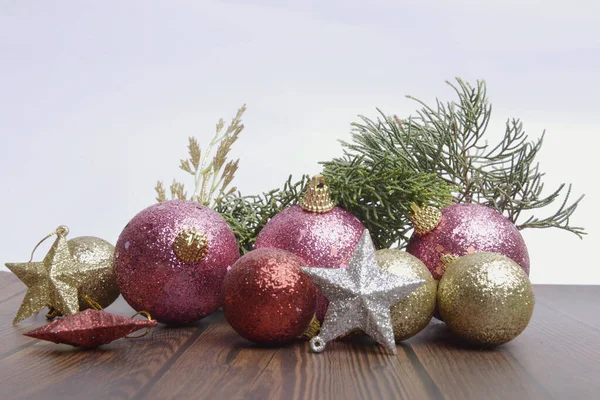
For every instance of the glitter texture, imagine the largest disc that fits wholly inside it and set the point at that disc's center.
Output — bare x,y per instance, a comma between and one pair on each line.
98,255
360,297
317,197
466,229
152,278
268,299
411,314
485,298
89,329
70,269
324,240
190,245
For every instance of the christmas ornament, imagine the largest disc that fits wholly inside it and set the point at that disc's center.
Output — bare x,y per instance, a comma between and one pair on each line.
70,270
462,229
90,328
485,298
322,234
98,254
360,297
268,299
171,260
411,314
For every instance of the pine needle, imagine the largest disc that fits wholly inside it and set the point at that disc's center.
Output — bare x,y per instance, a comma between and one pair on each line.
448,140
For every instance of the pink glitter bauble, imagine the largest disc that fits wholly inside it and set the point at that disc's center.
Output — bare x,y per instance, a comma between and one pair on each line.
268,299
154,278
465,229
324,240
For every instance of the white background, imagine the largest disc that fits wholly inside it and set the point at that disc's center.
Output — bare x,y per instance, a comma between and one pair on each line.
97,99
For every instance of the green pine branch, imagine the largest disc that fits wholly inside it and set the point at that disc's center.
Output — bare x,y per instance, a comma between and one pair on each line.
448,140
439,156
247,215
380,192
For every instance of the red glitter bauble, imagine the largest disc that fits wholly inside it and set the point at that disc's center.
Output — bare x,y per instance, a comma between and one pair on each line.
171,259
268,299
468,228
324,240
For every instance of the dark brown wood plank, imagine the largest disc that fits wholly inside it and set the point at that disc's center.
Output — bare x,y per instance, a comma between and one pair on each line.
464,372
560,354
11,295
118,370
574,302
10,286
37,369
556,357
211,362
235,368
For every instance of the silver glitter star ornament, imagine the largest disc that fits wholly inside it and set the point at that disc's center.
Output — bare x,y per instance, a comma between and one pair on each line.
360,297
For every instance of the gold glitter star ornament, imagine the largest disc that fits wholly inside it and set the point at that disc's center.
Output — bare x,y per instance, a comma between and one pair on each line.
74,269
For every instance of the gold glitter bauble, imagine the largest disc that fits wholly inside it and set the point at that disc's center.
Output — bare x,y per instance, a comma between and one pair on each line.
98,255
411,314
190,245
485,298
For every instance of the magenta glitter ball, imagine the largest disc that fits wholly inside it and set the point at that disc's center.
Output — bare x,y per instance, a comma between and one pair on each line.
152,277
324,240
268,298
465,229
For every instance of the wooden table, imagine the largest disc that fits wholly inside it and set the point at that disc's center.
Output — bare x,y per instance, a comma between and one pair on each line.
558,356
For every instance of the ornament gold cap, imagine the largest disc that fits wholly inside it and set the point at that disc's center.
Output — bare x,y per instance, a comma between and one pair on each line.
447,260
61,231
424,219
317,198
313,328
190,245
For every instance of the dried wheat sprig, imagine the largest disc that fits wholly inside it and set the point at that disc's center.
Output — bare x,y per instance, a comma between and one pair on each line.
212,173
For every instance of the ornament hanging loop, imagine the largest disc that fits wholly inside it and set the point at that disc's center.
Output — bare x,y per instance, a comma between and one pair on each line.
318,181
144,314
317,344
62,231
93,304
52,313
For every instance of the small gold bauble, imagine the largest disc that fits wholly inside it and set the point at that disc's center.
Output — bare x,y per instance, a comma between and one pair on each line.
317,198
411,314
485,298
98,255
424,219
190,245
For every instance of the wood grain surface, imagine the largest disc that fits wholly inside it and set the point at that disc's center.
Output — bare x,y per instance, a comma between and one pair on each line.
558,356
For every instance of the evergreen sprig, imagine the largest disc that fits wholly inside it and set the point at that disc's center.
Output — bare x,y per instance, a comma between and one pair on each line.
247,215
380,192
439,156
448,140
